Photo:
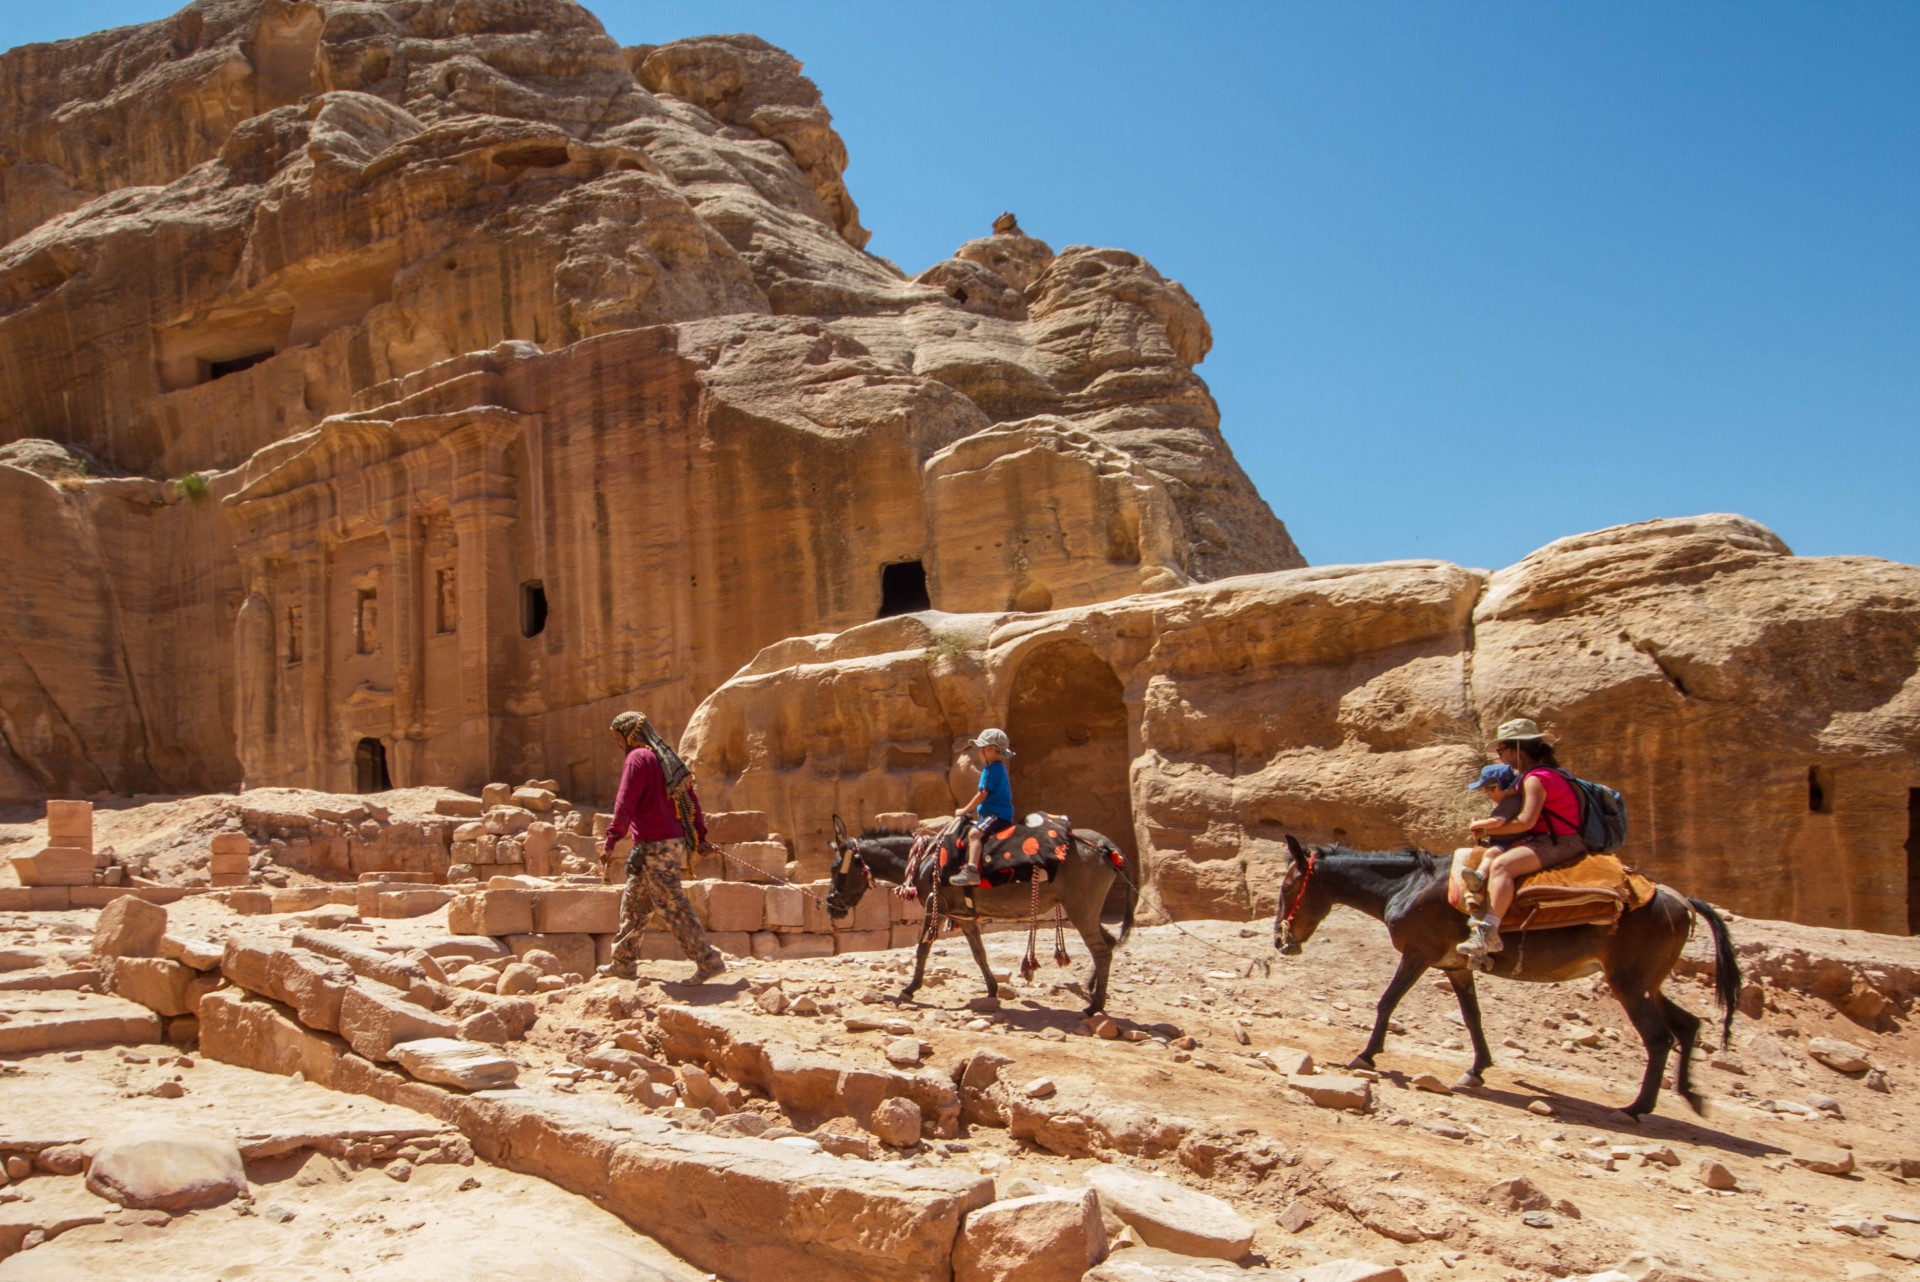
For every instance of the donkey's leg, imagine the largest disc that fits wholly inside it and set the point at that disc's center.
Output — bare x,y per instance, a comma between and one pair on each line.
972,931
1685,1027
1084,912
929,928
1409,970
1469,998
1650,1022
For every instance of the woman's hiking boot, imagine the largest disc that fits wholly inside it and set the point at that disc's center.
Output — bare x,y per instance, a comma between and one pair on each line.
1482,942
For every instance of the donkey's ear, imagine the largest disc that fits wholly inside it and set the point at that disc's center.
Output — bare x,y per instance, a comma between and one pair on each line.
839,830
1298,852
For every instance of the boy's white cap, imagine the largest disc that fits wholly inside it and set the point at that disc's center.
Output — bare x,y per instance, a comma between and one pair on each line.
993,739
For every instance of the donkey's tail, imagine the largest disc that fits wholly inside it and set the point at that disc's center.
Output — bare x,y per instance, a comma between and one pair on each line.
1726,968
1113,855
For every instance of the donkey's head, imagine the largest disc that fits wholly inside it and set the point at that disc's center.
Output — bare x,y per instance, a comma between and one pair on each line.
1303,905
850,874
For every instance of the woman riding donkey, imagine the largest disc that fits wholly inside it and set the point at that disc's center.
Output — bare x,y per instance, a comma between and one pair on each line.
1547,827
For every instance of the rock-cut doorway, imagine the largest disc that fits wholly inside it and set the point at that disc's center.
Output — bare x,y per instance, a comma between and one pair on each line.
1067,718
370,767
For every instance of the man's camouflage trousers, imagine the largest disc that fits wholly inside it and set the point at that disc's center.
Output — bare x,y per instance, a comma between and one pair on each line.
653,882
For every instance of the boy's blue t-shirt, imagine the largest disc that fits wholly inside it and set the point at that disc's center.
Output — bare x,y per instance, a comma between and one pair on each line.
999,789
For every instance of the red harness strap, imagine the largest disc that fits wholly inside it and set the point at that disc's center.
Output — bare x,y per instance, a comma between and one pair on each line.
1300,891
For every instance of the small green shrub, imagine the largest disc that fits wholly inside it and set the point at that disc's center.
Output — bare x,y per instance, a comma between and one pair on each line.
193,485
947,645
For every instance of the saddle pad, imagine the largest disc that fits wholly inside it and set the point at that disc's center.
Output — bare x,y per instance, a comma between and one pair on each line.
1592,889
1014,853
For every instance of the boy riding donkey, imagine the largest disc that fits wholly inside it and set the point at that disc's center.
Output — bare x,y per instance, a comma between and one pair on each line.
991,809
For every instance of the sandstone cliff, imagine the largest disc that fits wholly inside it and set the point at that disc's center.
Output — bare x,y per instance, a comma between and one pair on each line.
1761,712
507,377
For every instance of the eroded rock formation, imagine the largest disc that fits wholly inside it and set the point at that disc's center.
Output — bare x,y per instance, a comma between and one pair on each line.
506,377
1761,711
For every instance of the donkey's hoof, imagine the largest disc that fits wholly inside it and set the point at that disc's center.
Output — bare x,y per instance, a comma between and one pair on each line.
1361,1061
1469,1082
905,996
1628,1116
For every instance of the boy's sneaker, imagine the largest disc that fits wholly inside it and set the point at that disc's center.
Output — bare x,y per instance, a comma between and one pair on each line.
967,876
1475,880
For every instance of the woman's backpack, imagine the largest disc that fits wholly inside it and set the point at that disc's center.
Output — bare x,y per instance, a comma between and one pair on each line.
1603,815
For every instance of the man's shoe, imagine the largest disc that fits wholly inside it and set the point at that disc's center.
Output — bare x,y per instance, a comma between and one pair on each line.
968,876
617,970
707,970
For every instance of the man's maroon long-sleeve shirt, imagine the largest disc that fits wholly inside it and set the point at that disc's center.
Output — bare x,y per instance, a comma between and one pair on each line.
642,807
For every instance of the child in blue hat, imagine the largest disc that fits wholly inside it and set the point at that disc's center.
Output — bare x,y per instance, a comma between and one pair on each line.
1503,785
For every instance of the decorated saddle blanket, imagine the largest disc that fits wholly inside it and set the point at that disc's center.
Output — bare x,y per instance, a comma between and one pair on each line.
1593,890
1037,843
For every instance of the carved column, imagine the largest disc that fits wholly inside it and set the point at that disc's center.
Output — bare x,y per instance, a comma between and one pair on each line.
403,552
482,528
316,660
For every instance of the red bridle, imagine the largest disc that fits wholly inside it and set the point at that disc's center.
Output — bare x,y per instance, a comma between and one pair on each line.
1300,891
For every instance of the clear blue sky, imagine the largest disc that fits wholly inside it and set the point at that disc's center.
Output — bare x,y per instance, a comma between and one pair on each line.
1480,275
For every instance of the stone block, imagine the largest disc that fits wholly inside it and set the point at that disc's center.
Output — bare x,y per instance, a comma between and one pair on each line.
239,861
250,903
129,927
575,950
466,1066
873,912
166,1167
459,807
15,899
587,910
729,826
760,861
236,1028
504,912
464,915
1168,1215
540,850
785,907
155,982
906,912
495,794
1048,1237
55,866
538,800
312,985
773,945
861,941
734,943
233,881
231,843
70,823
411,903
375,1018
733,906
1335,1090
300,899
50,899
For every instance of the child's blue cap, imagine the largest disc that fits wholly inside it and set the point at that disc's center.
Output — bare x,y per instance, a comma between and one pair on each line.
1499,775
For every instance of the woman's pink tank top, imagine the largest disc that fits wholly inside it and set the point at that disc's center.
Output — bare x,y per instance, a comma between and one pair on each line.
1561,804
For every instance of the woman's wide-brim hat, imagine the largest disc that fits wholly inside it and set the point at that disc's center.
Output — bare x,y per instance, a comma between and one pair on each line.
1518,728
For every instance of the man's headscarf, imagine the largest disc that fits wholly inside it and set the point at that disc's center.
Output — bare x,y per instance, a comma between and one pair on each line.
636,731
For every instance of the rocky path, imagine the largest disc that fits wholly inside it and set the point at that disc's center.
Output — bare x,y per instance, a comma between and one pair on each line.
1800,1169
